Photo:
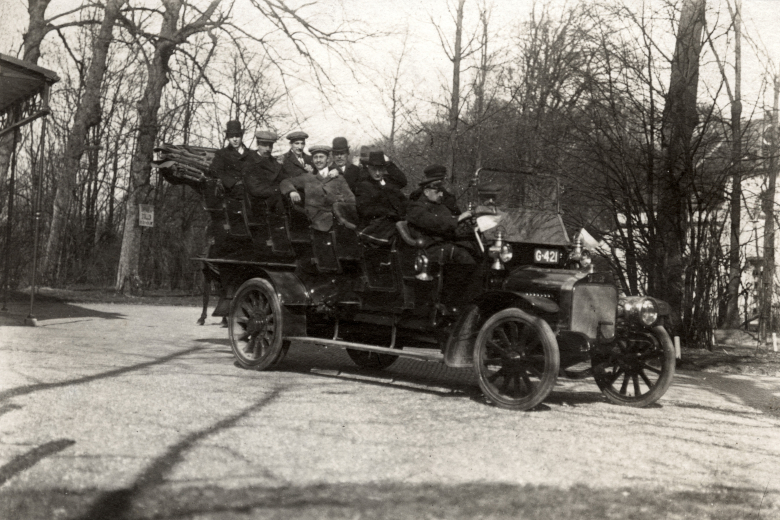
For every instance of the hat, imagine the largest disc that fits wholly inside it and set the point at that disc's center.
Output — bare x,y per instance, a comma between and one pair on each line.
340,145
319,148
488,191
234,129
433,173
376,159
297,136
266,136
365,150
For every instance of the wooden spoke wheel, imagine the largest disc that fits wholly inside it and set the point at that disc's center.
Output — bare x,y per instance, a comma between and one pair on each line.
516,359
255,325
371,360
638,370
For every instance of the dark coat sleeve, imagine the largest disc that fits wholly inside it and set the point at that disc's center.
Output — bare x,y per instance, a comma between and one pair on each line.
396,175
353,176
449,200
435,223
221,168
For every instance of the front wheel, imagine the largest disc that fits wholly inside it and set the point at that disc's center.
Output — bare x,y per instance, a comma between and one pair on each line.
516,359
255,325
637,370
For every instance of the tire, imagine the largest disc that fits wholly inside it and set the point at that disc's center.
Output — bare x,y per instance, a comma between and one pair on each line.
255,325
638,370
516,359
372,360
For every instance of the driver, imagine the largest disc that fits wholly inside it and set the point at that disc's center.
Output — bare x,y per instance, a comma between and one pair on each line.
444,239
322,190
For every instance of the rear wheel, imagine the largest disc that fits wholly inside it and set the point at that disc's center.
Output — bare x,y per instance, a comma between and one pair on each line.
516,359
255,325
638,370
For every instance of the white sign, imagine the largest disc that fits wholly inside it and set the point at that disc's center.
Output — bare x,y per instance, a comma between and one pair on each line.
146,215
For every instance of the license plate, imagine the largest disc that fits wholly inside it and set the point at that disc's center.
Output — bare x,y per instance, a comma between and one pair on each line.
546,256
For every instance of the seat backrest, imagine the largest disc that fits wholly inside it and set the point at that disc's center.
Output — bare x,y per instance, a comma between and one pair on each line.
407,234
213,195
346,214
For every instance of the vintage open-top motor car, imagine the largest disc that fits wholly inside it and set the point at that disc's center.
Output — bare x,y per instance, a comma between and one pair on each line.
533,308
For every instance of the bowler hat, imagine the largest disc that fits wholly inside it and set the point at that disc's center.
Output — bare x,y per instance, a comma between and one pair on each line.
319,148
266,136
376,159
340,145
297,136
433,173
234,129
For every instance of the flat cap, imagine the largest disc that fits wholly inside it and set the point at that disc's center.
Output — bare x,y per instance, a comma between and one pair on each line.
297,136
319,148
266,136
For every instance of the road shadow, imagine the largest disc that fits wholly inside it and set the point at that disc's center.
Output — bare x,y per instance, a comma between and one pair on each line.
48,308
28,389
390,500
117,505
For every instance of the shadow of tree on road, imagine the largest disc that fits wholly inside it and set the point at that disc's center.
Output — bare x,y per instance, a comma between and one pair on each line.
28,389
116,505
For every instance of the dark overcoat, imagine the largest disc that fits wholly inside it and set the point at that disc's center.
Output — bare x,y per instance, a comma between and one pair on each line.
434,221
292,167
262,176
227,166
357,174
321,193
376,200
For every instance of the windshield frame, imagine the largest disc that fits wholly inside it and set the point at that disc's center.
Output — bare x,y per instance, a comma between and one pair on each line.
474,182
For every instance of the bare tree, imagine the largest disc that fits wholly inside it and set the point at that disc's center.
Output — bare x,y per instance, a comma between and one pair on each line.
87,116
165,43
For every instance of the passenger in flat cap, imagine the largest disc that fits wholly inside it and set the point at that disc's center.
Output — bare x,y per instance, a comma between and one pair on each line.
262,175
321,190
438,172
439,227
296,161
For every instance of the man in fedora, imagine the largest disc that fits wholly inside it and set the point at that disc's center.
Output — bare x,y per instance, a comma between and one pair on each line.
322,190
435,221
391,172
380,204
341,162
296,161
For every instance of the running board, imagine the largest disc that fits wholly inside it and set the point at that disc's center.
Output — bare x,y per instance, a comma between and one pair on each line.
425,356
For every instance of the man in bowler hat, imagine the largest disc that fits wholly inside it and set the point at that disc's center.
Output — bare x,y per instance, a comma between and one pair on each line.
341,162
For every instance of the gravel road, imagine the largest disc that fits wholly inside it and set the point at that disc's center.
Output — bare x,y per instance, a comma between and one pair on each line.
131,411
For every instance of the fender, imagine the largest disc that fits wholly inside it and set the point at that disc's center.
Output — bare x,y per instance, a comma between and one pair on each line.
459,349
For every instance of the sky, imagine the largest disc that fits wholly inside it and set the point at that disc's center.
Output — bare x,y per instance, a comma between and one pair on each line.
355,109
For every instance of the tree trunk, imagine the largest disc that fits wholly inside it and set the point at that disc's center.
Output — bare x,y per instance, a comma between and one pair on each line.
769,225
87,116
457,55
679,121
732,320
127,279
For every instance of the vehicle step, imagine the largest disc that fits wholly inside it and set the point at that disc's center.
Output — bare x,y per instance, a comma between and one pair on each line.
415,353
